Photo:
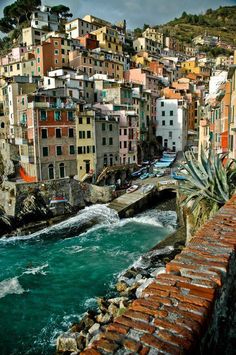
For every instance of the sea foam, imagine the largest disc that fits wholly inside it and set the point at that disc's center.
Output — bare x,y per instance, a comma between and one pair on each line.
10,286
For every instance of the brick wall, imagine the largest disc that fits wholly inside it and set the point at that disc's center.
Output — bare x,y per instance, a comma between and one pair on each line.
186,309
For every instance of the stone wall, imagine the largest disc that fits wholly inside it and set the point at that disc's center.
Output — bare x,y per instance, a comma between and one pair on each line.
190,307
78,194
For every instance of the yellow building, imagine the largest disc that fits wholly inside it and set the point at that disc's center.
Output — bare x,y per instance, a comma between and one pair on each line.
192,66
141,59
108,39
85,142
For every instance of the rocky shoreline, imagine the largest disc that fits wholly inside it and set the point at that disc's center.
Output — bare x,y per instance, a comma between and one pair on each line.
130,284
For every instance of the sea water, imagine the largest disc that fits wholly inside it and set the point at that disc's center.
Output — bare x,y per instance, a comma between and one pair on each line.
50,278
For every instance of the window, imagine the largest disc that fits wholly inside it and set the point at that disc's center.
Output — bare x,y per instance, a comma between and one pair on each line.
70,116
59,150
170,135
103,141
62,170
110,141
44,133
88,120
103,126
18,66
82,134
125,132
171,113
163,123
72,149
163,113
88,149
80,120
56,52
125,144
57,115
171,122
38,60
71,132
45,151
50,171
80,151
58,132
110,127
88,134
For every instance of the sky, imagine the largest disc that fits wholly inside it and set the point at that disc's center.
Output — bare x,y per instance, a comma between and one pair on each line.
136,12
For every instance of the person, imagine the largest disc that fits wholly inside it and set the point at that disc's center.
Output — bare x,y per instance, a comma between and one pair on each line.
119,182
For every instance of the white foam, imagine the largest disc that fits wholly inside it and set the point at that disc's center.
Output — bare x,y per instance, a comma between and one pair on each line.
37,270
10,286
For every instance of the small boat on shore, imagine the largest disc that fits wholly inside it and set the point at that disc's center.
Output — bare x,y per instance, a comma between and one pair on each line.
147,188
132,189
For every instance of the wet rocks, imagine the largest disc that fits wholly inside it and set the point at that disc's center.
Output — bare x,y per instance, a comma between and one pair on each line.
130,285
33,208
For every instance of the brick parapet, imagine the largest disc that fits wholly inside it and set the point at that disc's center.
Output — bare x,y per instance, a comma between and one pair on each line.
180,312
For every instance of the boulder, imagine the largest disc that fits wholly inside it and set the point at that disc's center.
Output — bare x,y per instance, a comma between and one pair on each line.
33,208
67,342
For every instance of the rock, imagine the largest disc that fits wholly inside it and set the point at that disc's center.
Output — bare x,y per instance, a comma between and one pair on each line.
113,310
121,286
87,322
117,300
9,169
33,208
6,222
160,270
102,304
142,287
94,329
76,328
67,342
104,318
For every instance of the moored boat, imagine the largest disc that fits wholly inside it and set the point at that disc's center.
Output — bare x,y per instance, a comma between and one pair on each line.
132,189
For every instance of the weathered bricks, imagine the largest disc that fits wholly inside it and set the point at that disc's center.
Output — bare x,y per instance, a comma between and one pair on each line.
175,309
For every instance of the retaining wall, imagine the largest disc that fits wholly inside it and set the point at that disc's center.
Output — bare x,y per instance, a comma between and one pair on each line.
190,308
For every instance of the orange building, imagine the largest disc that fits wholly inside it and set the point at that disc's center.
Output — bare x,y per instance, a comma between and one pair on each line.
89,41
52,54
46,137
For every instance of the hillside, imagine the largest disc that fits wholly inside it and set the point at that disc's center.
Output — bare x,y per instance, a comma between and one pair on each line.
220,22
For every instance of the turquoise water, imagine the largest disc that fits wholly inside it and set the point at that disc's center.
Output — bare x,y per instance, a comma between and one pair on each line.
47,281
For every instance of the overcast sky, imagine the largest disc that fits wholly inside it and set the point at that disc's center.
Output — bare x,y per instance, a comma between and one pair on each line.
136,12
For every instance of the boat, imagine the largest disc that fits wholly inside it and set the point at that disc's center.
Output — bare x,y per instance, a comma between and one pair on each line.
147,188
151,175
132,189
169,154
167,159
138,172
162,164
144,176
177,176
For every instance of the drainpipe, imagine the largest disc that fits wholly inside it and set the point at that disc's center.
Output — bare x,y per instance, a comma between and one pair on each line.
34,138
229,114
39,151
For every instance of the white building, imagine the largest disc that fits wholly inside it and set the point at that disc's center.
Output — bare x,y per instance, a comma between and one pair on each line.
146,44
171,129
43,18
79,27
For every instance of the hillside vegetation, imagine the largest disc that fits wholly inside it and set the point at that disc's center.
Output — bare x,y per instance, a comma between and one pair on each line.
220,22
